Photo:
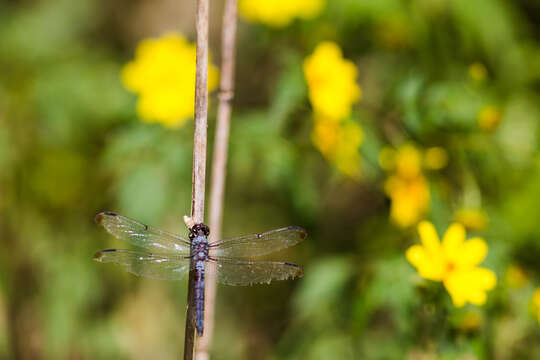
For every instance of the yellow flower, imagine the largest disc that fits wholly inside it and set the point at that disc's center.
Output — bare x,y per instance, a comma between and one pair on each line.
409,199
331,81
454,262
279,13
472,219
536,302
339,143
325,135
406,186
477,72
435,158
346,154
489,118
408,161
163,75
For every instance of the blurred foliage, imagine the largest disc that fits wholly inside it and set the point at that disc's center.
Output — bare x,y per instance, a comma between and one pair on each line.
460,76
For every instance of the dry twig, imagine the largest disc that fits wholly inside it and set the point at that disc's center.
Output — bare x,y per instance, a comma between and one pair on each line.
219,165
199,155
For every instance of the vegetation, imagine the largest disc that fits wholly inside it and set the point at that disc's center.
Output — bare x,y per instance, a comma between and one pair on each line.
403,135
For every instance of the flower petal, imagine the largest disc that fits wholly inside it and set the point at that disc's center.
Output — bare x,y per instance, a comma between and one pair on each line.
472,252
536,298
457,294
416,256
428,267
429,237
452,240
478,297
470,285
484,278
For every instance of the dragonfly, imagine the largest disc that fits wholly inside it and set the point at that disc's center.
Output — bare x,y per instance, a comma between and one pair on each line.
168,256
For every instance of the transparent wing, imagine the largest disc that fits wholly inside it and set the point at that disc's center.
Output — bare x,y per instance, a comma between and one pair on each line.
142,235
247,272
258,244
152,266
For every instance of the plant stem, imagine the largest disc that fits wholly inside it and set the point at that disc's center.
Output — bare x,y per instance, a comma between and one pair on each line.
219,166
199,155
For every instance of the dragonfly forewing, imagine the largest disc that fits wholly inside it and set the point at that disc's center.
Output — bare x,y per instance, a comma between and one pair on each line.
248,272
248,246
142,235
154,266
170,254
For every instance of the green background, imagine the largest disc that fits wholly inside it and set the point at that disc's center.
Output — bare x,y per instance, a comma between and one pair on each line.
71,145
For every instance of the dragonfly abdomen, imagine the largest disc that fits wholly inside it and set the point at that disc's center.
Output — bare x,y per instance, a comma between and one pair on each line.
199,297
199,255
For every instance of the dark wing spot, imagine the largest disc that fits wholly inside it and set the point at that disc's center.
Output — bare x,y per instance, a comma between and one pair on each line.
259,236
145,227
99,217
303,233
99,255
299,271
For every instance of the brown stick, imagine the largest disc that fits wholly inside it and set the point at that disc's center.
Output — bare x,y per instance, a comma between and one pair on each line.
199,155
219,166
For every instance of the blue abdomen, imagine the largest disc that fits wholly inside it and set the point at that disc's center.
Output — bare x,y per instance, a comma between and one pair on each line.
199,297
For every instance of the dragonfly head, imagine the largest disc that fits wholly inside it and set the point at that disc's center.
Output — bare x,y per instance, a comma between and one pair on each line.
198,230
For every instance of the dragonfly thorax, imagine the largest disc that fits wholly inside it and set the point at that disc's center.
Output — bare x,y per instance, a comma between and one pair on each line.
199,248
199,242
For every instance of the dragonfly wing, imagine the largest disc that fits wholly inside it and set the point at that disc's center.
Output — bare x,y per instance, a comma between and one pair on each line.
154,266
248,272
258,244
142,235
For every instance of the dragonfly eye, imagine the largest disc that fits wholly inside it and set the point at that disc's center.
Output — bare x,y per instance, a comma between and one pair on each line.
199,230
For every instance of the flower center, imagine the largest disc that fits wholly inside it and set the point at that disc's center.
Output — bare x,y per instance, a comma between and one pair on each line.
450,267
